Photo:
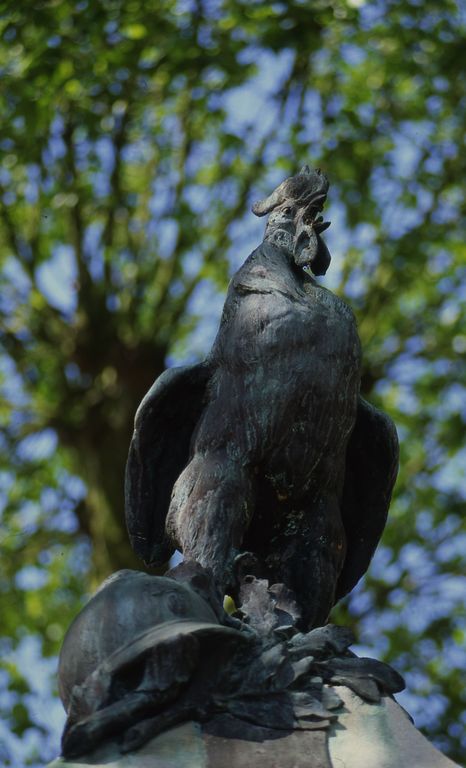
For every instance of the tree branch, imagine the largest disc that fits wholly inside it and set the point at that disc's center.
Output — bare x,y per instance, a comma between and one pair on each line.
76,218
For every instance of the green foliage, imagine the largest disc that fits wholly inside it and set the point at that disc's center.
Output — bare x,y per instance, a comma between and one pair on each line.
134,137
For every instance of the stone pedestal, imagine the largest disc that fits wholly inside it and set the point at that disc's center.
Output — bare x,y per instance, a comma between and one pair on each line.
379,736
364,736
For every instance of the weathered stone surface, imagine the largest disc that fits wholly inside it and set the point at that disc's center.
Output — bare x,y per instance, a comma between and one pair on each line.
186,746
180,747
378,735
295,750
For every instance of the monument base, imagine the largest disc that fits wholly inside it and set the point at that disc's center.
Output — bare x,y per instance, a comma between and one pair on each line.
365,735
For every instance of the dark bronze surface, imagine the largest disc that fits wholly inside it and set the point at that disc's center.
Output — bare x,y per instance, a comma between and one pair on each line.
148,653
266,447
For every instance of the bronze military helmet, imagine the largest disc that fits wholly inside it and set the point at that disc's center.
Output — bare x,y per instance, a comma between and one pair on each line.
128,604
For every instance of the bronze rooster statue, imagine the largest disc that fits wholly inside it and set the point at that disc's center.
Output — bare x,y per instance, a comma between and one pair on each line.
264,456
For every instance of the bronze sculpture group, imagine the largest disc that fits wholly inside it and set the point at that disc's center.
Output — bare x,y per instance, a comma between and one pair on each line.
268,471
